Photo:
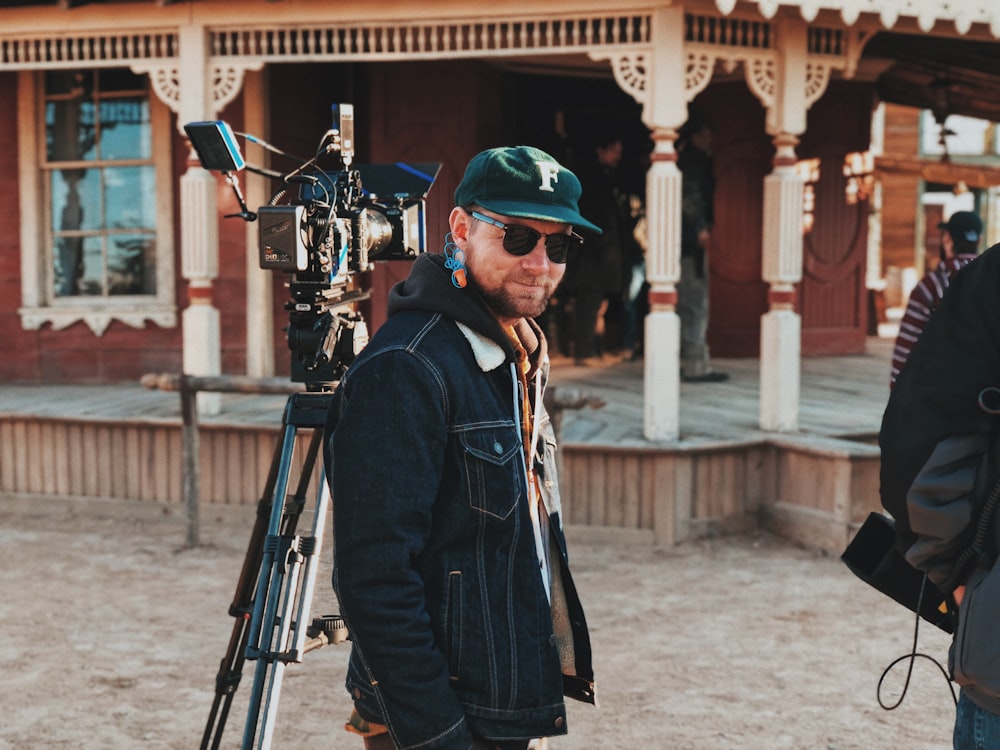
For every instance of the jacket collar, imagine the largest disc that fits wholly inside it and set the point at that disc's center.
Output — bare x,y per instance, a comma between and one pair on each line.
489,355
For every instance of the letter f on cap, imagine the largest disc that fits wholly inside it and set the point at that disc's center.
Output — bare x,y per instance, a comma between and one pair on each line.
550,174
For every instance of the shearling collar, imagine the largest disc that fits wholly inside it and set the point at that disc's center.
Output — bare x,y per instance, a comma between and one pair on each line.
489,355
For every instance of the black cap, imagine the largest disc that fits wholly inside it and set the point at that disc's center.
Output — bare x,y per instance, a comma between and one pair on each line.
963,225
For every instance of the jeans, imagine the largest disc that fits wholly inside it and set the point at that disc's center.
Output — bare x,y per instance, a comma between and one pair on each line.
692,308
384,742
975,727
635,309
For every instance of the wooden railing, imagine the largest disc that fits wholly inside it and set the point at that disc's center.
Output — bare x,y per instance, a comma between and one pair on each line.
557,400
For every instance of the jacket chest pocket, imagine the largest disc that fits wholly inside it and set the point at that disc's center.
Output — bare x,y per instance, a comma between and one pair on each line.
492,465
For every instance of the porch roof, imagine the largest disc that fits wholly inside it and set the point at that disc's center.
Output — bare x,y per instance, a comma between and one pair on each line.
927,13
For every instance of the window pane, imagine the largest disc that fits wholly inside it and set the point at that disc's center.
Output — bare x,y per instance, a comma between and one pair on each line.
79,266
103,216
131,264
966,135
130,197
125,131
73,83
76,200
69,131
121,79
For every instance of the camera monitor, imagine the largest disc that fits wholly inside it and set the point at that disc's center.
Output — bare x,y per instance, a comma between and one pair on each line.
216,146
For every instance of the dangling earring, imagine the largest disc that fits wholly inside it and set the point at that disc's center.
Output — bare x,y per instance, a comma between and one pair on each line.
455,261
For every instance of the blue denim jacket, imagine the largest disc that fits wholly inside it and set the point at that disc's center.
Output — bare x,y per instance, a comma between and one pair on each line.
435,563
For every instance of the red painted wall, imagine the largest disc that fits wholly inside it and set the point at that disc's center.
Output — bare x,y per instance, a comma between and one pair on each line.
18,349
74,354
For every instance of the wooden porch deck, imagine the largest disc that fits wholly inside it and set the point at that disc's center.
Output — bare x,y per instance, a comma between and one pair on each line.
124,441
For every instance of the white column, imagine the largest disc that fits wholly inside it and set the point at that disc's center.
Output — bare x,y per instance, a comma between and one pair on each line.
661,350
199,265
260,299
781,325
199,226
663,112
992,216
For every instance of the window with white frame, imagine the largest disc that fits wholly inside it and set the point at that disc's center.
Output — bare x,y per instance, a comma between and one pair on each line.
960,136
96,211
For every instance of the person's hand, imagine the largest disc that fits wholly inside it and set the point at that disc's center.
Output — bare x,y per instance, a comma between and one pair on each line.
703,238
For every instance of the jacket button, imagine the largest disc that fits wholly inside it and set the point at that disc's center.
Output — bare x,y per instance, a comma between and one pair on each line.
558,722
497,448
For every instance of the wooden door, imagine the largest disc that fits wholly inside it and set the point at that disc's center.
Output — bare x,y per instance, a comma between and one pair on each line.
429,112
832,295
742,155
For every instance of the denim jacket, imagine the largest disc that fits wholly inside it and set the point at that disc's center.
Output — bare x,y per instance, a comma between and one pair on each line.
435,562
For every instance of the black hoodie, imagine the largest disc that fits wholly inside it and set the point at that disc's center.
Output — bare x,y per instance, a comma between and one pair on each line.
429,288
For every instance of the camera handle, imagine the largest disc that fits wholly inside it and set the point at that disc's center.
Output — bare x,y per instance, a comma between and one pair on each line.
276,584
245,213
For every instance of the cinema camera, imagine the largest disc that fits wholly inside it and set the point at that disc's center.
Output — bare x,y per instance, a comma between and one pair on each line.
339,223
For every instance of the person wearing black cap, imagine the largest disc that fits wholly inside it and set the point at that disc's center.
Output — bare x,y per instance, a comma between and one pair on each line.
450,562
960,237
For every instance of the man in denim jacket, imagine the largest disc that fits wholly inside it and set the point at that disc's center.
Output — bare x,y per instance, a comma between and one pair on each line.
450,562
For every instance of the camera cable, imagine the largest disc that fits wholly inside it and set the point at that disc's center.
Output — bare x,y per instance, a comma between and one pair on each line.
912,657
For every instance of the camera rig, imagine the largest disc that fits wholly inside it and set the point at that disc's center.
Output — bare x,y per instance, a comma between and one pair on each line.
341,220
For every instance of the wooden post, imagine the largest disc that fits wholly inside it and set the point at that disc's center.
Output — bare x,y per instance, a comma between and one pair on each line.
190,463
189,386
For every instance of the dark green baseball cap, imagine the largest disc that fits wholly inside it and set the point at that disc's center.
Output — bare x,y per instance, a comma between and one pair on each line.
523,182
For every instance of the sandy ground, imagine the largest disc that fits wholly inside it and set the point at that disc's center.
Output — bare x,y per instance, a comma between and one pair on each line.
113,632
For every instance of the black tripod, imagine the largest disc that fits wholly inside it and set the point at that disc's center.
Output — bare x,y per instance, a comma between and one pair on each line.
276,583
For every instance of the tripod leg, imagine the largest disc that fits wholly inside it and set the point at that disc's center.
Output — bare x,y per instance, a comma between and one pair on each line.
285,591
265,605
231,668
269,594
292,635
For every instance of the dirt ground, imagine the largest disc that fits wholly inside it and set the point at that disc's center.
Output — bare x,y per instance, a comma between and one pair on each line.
113,633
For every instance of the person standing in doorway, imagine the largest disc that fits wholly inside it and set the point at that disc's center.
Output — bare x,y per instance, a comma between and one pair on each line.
694,160
595,277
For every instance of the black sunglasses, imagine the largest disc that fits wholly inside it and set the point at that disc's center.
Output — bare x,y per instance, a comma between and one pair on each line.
520,240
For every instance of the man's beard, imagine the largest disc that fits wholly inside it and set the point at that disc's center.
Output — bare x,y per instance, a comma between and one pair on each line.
506,305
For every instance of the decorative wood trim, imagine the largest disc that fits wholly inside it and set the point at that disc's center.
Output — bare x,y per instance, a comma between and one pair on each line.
226,82
107,49
751,43
631,72
98,319
431,39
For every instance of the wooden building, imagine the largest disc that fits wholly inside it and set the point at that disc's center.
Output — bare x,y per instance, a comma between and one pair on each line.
117,260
